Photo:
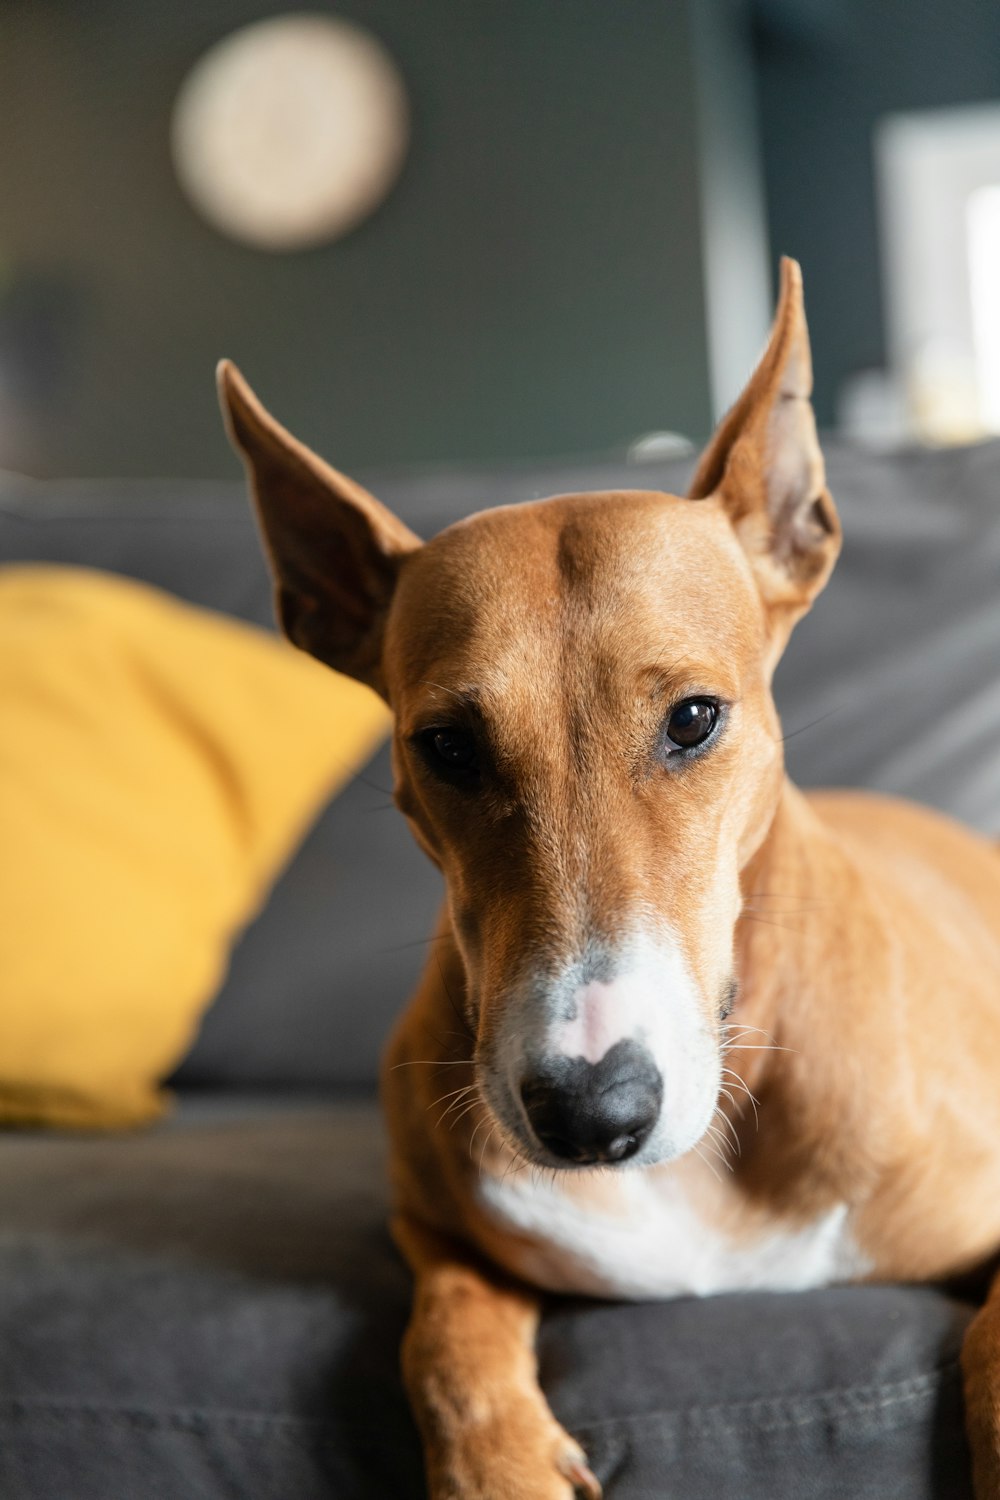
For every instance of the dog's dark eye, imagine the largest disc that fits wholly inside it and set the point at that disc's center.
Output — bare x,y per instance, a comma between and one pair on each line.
691,723
450,749
455,747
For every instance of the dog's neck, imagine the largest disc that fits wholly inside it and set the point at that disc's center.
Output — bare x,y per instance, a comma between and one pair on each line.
783,887
797,959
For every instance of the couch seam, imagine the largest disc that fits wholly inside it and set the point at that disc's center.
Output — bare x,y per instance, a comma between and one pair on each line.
197,1421
821,1406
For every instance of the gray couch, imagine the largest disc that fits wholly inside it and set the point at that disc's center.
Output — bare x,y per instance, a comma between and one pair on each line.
212,1308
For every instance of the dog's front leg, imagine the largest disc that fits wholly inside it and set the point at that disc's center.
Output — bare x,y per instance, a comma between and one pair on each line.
470,1372
981,1373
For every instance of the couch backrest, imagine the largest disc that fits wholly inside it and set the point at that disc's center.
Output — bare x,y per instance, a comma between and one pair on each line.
893,682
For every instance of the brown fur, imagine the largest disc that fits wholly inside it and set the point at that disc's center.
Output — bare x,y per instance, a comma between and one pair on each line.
865,933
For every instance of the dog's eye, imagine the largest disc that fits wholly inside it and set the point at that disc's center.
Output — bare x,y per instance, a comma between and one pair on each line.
691,723
455,747
450,749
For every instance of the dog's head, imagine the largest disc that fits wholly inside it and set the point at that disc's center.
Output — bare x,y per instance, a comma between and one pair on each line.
585,739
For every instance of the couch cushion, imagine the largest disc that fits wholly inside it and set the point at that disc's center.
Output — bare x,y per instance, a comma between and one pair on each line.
214,1308
158,765
906,632
892,682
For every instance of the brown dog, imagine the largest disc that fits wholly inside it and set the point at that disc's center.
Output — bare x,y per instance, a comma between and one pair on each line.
587,746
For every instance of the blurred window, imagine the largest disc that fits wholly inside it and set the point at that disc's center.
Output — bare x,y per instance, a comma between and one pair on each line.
938,175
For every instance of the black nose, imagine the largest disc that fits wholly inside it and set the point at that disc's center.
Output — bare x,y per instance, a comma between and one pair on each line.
590,1112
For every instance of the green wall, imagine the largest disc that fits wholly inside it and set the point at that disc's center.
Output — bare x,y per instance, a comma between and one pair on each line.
533,285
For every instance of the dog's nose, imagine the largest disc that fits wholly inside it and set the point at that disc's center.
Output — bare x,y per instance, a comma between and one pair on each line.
595,1112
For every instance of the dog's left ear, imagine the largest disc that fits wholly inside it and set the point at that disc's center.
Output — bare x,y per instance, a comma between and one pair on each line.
335,550
764,463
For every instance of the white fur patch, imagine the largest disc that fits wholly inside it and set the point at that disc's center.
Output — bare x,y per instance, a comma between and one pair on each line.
655,1245
649,997
602,1018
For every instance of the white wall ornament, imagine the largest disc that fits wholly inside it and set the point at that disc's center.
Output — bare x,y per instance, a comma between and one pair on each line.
289,132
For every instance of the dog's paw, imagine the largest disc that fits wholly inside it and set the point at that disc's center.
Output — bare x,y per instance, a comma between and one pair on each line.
981,1369
573,1464
984,1439
521,1455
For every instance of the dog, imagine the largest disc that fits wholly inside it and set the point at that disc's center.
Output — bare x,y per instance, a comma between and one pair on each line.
587,746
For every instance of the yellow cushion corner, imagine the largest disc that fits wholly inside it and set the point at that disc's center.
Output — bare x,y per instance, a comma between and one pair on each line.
158,764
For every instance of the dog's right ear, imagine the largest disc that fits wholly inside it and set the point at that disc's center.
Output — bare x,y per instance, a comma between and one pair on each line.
335,551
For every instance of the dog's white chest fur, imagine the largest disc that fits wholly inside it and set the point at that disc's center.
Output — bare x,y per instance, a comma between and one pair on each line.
649,1242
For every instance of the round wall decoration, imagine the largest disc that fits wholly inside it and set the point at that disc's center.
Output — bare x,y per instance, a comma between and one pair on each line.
290,131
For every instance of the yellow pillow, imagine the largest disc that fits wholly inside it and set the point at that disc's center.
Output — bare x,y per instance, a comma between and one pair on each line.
157,765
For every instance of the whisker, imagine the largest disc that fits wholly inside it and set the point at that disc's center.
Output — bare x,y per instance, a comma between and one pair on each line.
732,1073
476,1104
720,1155
751,916
748,909
732,1129
446,1112
700,1153
785,896
482,1154
745,1029
521,1160
720,1145
366,780
472,1139
423,942
465,1089
733,1041
727,1094
784,738
747,1047
728,1072
470,1088
432,1062
515,1161
451,999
